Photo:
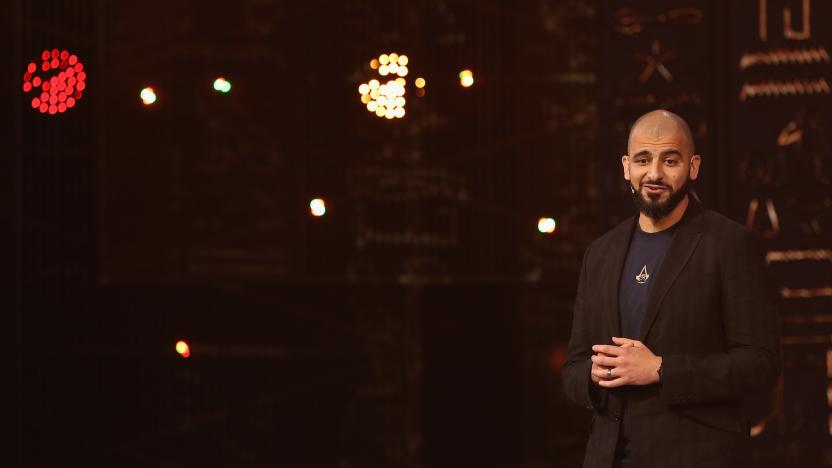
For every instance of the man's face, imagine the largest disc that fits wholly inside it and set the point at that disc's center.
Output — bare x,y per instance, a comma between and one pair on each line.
659,168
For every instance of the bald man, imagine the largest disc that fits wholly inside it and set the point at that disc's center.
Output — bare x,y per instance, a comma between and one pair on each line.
674,325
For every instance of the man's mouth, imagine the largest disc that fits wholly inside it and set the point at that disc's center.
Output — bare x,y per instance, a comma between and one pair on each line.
654,188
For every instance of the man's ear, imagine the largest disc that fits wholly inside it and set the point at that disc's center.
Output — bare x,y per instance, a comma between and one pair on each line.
695,160
625,162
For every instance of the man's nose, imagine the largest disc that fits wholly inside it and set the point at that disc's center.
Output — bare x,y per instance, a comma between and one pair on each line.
654,172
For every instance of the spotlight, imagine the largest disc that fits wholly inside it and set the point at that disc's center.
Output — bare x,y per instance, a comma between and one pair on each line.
148,96
222,85
183,349
466,78
386,99
62,89
317,207
546,225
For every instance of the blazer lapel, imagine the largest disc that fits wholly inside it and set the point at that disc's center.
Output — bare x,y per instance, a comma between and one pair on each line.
612,276
678,253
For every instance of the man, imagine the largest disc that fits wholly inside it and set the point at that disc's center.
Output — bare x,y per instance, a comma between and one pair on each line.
673,324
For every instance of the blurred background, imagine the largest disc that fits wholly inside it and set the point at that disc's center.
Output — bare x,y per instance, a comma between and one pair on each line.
346,234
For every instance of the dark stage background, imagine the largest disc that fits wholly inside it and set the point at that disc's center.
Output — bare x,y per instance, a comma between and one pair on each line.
422,321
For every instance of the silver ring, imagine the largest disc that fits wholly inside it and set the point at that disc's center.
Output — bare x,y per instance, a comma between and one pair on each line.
609,373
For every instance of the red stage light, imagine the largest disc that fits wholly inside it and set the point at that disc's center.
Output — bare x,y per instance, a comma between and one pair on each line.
57,92
183,348
557,358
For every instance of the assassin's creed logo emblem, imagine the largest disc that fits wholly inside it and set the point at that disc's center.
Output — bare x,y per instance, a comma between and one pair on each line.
642,276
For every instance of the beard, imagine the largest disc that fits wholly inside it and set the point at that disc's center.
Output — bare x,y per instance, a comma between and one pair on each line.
654,208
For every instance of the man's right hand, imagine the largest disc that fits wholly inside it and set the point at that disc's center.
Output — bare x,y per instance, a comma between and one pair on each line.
599,373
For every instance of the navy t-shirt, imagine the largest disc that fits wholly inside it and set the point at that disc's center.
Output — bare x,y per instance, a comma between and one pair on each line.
644,260
641,269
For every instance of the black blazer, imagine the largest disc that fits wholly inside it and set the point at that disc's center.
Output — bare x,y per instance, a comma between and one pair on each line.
711,317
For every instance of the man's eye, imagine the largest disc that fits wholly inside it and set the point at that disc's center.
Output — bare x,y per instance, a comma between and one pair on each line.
641,161
671,162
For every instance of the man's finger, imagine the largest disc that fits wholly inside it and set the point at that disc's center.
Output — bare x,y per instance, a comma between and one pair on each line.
601,373
609,350
616,382
599,368
603,360
622,341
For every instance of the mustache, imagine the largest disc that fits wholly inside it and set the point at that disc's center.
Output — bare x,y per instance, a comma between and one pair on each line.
652,182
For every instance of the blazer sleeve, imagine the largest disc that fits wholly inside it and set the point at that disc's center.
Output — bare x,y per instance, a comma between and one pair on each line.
752,358
577,383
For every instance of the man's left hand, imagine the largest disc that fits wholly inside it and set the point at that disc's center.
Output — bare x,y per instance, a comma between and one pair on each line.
633,364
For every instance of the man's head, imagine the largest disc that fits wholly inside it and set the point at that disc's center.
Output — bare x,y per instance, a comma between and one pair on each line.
660,162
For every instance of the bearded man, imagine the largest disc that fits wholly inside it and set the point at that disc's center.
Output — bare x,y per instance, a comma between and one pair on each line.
674,325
